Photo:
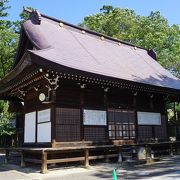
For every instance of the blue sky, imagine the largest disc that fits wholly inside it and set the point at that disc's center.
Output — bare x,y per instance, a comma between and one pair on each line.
73,11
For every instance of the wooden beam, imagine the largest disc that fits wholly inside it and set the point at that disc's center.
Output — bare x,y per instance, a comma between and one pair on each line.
74,159
103,156
64,160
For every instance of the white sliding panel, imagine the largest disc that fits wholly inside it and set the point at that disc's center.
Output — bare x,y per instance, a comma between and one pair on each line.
44,115
44,126
30,128
44,132
149,118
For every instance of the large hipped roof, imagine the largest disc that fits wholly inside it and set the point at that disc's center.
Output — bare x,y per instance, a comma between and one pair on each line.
70,46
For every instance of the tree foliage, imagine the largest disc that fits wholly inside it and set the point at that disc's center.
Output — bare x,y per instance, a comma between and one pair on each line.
8,45
6,125
23,17
9,36
8,41
151,32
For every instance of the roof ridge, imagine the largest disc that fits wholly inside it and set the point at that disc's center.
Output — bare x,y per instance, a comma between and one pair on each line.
90,31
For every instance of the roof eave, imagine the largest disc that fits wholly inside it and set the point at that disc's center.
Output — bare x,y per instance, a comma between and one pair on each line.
60,68
23,63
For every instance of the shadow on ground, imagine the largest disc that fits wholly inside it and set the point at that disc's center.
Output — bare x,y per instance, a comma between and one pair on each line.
168,168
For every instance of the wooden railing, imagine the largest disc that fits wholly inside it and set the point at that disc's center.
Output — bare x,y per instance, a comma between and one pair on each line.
45,156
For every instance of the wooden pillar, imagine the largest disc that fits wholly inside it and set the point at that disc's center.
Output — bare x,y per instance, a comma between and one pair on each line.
106,153
175,119
171,148
105,97
44,162
7,156
22,160
53,118
166,118
152,108
36,131
153,132
135,111
53,141
106,107
151,103
174,110
53,126
53,95
81,110
86,154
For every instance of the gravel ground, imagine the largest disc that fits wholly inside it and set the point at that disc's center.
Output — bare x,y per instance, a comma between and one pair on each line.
167,169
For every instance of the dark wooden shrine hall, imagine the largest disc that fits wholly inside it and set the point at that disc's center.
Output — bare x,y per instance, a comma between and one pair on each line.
70,85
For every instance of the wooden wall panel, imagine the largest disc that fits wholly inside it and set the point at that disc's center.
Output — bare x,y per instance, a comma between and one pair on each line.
93,98
68,133
67,116
94,133
68,96
145,133
120,98
161,131
143,102
68,124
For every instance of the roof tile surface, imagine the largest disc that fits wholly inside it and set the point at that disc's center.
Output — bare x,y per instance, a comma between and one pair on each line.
70,47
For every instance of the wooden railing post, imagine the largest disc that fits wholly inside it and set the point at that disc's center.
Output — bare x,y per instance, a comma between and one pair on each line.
171,149
106,152
44,162
7,156
22,160
86,162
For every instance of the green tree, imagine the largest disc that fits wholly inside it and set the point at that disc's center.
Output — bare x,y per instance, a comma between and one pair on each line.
9,36
8,41
6,126
151,32
24,15
8,45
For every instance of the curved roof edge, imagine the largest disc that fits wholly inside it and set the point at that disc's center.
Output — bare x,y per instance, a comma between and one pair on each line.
23,63
42,62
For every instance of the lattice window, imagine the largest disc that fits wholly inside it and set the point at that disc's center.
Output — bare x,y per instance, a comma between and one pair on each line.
144,133
68,124
94,133
112,131
121,124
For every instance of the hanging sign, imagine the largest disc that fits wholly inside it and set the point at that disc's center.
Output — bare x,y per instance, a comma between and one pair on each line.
94,117
149,118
